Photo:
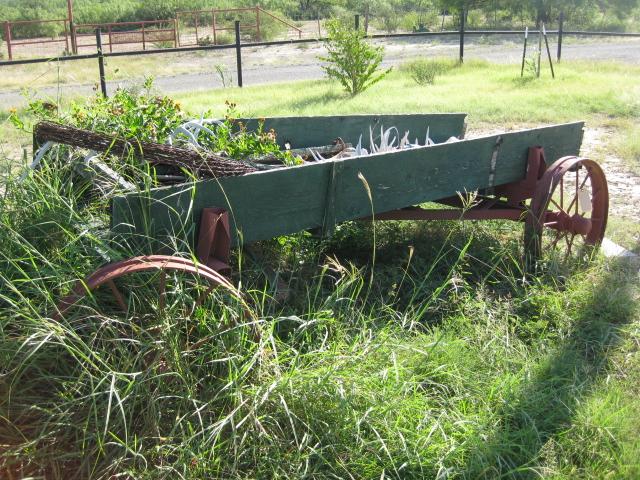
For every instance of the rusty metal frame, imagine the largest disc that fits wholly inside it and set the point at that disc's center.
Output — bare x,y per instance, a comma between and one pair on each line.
146,35
506,203
12,43
109,273
214,241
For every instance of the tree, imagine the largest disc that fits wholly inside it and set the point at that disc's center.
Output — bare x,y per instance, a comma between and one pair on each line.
351,59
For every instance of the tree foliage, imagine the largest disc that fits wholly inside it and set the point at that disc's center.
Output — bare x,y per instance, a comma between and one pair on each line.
351,59
590,12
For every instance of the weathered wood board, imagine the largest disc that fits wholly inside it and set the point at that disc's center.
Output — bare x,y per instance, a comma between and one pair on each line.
267,204
303,132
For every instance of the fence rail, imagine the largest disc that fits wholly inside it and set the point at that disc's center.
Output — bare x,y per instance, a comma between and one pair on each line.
238,45
127,33
187,28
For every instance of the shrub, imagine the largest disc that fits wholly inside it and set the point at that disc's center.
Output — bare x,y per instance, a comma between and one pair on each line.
205,41
225,38
424,72
388,19
350,59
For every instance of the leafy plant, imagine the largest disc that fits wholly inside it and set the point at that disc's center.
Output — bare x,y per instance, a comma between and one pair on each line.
130,114
232,137
424,72
531,66
350,59
205,41
224,38
224,74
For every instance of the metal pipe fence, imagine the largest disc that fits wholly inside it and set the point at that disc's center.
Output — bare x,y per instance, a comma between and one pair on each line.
462,32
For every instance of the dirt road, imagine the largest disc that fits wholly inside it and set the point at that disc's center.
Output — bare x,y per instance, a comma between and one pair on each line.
298,62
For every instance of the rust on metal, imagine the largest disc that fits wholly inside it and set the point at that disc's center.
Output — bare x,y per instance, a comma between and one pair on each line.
214,241
556,205
162,263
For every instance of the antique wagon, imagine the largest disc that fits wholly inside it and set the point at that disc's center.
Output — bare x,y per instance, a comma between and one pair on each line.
532,176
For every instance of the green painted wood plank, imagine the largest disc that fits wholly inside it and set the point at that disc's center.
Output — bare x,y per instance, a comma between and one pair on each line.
303,132
416,176
277,202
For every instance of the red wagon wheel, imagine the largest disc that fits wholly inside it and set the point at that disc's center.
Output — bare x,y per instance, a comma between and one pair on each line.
569,210
151,284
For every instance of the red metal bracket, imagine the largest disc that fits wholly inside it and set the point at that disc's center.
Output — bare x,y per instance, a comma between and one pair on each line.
489,207
214,241
518,192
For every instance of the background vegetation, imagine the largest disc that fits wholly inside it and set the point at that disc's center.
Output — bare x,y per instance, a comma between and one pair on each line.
387,15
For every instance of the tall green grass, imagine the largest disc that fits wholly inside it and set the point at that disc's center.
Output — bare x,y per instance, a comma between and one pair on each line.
436,360
404,349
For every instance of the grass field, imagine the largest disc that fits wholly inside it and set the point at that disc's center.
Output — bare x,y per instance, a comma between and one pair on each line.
404,351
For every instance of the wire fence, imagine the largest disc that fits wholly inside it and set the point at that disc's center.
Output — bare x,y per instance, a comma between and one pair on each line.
56,38
181,35
25,39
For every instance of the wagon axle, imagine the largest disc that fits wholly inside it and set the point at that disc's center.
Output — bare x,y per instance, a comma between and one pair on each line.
563,222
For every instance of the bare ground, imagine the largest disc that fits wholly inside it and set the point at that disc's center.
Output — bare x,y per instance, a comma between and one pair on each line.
624,186
285,63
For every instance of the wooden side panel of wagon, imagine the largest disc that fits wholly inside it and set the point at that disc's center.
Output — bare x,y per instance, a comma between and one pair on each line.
302,132
272,203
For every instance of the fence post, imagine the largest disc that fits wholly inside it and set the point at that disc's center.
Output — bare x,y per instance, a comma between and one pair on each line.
144,43
560,32
72,27
66,38
176,33
357,22
7,38
524,51
539,51
213,25
238,53
366,19
463,13
103,82
258,24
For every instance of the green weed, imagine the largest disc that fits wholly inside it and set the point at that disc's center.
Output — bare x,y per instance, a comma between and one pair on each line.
404,349
424,72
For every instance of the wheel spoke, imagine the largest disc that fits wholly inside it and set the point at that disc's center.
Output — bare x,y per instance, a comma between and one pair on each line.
559,207
117,295
577,189
585,181
575,199
555,240
570,244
